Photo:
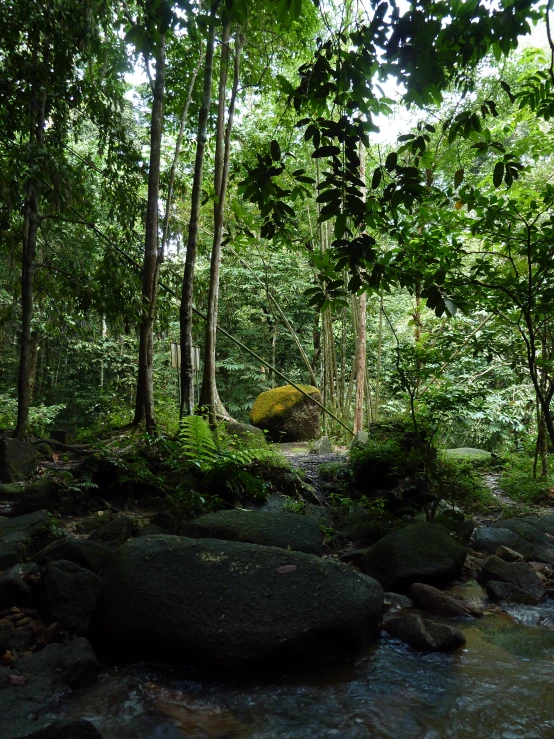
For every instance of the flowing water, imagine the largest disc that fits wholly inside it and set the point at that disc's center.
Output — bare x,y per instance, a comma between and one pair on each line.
500,686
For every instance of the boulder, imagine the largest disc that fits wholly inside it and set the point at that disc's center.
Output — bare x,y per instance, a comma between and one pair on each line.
114,533
425,635
44,449
70,595
287,414
41,679
518,574
244,431
284,530
322,446
231,603
488,538
422,552
508,593
18,460
396,602
15,588
40,494
509,555
535,537
434,601
79,729
88,554
22,536
360,440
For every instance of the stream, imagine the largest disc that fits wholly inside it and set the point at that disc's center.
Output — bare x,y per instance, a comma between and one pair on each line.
498,687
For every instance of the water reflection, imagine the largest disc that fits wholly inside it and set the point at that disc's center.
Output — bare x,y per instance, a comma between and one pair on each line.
499,687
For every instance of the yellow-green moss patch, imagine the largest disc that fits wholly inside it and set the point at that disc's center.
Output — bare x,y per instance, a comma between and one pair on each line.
273,404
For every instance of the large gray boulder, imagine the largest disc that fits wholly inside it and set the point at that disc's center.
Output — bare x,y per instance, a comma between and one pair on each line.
40,494
70,595
18,460
488,538
284,530
535,537
517,574
232,603
422,552
15,585
30,691
22,536
91,555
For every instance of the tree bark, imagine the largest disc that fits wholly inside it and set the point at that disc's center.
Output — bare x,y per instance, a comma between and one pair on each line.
144,406
361,349
185,315
31,222
208,394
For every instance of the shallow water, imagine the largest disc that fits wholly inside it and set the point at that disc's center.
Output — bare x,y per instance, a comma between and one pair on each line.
500,686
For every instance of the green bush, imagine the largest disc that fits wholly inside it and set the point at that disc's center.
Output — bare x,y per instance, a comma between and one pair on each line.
517,481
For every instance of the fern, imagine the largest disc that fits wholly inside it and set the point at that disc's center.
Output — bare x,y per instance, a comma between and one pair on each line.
197,442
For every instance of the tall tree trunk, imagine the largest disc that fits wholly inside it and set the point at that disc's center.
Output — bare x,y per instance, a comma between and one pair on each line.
361,349
144,407
185,315
30,231
208,394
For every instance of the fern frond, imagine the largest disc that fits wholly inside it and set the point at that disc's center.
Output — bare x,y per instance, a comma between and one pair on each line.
197,442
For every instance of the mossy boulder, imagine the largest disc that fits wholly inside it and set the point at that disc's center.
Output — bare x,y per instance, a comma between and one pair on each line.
70,595
422,552
42,493
284,530
286,414
22,536
229,603
18,460
91,555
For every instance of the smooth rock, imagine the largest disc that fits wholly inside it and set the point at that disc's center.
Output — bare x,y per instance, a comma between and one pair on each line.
88,554
15,590
536,535
284,530
115,532
18,460
505,591
515,573
396,602
322,446
509,555
44,449
70,595
430,599
488,538
360,440
22,536
43,677
425,635
422,552
232,603
244,430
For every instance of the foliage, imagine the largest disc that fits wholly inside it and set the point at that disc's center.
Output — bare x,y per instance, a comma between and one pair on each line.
41,417
517,481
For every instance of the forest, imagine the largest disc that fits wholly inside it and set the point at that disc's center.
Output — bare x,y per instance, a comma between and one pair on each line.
276,369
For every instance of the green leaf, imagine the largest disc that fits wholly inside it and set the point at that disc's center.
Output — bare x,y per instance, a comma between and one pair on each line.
376,179
275,151
326,151
498,174
391,161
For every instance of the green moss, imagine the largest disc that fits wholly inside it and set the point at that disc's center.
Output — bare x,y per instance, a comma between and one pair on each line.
273,404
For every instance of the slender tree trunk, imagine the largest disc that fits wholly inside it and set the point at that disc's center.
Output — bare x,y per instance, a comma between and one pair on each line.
361,352
144,407
379,362
178,145
208,394
185,316
30,232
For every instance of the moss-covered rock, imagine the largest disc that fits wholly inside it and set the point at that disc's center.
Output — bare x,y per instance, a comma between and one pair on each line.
422,552
287,414
284,530
17,460
231,603
22,536
88,554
